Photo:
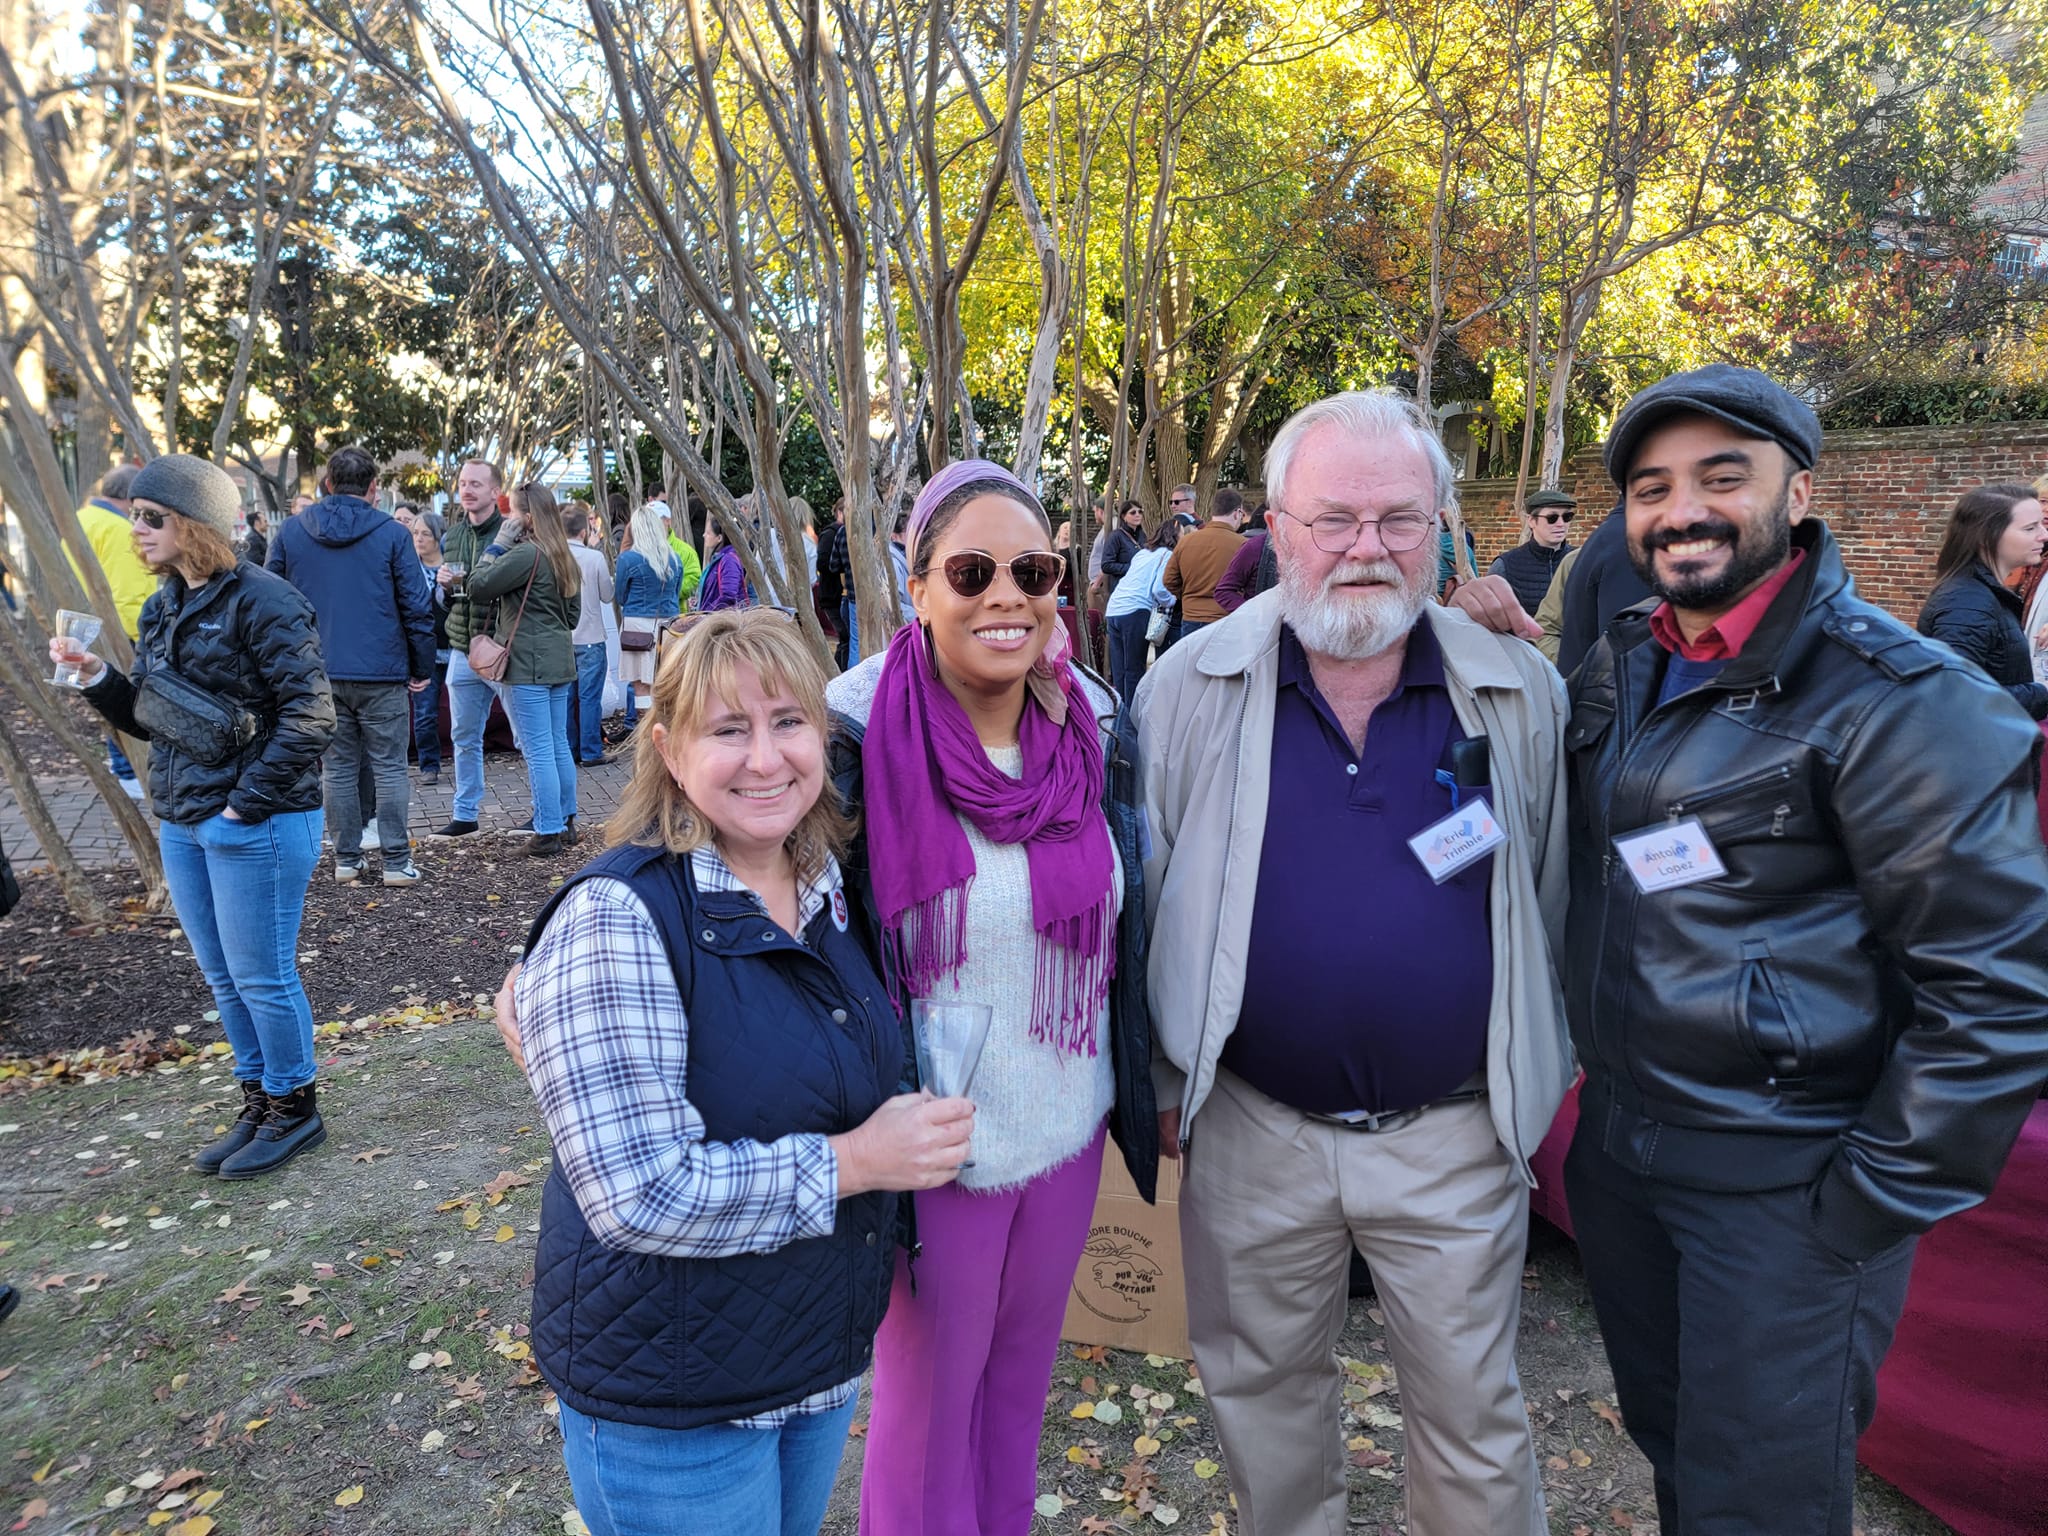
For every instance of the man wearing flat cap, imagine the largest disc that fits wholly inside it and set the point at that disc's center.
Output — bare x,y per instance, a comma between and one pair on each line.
1531,565
1806,964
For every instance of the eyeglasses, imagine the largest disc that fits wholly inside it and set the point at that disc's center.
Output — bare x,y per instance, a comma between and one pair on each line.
971,572
149,517
1177,500
1336,532
1552,517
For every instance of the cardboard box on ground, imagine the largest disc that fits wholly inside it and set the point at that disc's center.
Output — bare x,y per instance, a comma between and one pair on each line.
1128,1288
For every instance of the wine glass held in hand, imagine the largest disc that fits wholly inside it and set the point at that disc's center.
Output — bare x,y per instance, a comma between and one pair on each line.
70,646
949,1038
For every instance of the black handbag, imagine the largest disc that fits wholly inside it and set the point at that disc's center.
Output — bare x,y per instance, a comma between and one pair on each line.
174,709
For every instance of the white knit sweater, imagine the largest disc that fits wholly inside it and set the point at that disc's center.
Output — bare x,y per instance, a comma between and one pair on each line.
1034,1107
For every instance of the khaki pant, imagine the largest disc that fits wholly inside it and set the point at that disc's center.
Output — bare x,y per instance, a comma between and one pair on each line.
1270,1205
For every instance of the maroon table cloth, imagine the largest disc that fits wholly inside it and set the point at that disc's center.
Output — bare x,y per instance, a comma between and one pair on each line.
1962,1408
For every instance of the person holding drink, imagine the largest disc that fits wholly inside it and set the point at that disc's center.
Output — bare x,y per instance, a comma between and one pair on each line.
1001,842
705,1019
229,692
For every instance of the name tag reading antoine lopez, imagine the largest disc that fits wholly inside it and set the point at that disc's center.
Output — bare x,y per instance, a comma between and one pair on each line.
1468,833
1670,856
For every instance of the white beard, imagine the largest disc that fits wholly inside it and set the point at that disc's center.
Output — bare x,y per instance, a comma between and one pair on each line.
1354,625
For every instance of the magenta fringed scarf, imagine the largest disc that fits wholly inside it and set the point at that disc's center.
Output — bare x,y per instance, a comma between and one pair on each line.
922,763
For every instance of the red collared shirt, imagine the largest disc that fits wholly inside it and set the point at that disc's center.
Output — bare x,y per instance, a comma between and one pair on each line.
1724,639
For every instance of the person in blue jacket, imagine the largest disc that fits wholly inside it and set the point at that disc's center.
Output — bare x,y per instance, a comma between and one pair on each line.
375,610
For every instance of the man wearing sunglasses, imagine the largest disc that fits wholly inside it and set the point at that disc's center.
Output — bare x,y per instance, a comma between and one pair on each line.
1531,565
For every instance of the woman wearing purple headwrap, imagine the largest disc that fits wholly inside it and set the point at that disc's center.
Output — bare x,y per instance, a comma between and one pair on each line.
1002,847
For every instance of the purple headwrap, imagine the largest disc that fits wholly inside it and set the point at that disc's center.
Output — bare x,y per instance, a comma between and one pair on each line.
924,766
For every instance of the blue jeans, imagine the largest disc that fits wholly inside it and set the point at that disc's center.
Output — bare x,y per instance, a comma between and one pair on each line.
118,760
590,671
540,718
852,633
633,1480
240,891
469,708
1127,651
426,721
370,721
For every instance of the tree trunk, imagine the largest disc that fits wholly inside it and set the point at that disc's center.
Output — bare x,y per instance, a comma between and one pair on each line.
22,676
72,879
95,428
1579,306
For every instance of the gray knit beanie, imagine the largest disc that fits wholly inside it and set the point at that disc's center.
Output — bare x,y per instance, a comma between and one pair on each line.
190,487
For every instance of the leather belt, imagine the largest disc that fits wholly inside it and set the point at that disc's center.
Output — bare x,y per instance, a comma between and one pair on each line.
1394,1119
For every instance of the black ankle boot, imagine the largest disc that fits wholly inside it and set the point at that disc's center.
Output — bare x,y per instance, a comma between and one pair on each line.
569,838
241,1133
291,1125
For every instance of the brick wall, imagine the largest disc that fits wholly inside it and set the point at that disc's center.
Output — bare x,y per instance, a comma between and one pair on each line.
1886,493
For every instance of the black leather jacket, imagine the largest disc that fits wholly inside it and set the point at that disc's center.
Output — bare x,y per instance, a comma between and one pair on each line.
1134,1120
1985,622
248,638
1860,1004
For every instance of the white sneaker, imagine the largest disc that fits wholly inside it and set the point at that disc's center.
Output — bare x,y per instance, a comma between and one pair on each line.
403,873
132,788
347,874
368,843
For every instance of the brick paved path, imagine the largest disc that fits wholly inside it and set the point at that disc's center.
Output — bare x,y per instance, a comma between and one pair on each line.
89,827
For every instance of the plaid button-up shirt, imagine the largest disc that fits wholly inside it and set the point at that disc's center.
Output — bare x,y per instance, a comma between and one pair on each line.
606,1039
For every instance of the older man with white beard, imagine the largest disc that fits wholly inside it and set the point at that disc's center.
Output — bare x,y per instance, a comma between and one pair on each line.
1358,816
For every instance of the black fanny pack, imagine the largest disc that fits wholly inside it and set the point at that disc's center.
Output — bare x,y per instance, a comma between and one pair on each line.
176,710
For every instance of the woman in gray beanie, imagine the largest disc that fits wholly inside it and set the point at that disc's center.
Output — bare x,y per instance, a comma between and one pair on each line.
229,692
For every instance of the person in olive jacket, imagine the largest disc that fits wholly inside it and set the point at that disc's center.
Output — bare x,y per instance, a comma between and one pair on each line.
240,831
1806,968
529,572
1994,531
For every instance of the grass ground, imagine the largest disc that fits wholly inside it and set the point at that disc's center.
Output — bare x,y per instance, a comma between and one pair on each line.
341,1348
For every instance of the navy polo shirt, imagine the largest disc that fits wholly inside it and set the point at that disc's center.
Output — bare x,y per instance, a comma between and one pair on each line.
1368,985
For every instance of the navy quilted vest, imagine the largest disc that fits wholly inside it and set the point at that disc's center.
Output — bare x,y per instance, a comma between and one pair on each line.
784,1038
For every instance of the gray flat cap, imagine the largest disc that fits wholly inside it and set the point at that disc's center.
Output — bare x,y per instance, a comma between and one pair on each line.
1750,402
190,487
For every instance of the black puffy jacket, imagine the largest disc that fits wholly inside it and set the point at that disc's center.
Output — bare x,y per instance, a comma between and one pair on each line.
1860,1003
1529,568
1985,622
248,638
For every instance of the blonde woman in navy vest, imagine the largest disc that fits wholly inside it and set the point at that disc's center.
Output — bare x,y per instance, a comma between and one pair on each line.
707,1027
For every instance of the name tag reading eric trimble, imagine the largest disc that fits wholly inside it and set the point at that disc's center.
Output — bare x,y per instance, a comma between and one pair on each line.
1467,834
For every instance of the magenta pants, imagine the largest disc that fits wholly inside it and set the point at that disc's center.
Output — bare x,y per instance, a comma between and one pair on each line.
962,1367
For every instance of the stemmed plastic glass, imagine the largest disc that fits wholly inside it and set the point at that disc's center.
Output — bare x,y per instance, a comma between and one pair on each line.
949,1037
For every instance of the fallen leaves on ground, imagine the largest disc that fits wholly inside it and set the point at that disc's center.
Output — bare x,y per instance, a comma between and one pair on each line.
145,1053
494,1191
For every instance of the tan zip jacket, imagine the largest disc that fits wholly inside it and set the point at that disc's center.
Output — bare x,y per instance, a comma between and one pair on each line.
1205,728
